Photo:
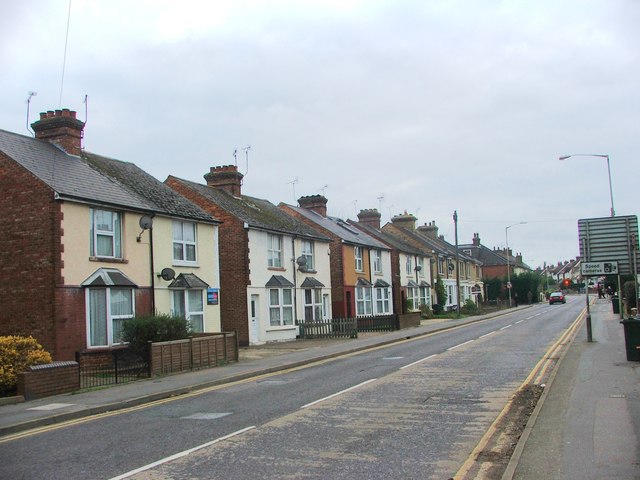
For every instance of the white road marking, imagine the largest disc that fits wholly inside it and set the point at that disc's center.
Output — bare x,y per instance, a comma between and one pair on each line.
337,393
393,358
419,361
519,321
52,406
205,416
181,454
487,334
459,345
504,328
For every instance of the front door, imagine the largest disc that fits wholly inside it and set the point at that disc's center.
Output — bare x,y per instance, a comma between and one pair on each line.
254,333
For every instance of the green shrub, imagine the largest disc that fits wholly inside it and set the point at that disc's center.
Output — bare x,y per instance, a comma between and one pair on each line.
469,307
139,331
437,308
425,311
16,355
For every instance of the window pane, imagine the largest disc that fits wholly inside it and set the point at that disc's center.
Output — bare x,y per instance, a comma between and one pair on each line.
177,251
177,231
286,296
189,232
98,317
191,253
196,322
274,316
121,302
287,315
308,313
179,309
104,246
195,301
274,298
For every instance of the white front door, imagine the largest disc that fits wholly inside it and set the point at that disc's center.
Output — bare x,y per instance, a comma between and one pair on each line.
254,333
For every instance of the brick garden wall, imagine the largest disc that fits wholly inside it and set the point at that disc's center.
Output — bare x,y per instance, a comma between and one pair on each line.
50,379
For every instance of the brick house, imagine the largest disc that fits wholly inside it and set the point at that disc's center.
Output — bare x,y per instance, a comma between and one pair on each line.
360,264
494,261
410,265
274,268
444,255
89,241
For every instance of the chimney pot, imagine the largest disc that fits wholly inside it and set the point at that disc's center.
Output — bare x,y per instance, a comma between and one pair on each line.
226,178
315,203
62,128
370,217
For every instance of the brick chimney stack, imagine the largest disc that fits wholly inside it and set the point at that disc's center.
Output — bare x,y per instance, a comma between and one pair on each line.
371,217
225,178
405,220
430,230
476,239
62,128
315,203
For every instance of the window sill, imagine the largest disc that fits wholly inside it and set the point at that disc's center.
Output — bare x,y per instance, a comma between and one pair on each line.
274,328
178,263
108,260
277,269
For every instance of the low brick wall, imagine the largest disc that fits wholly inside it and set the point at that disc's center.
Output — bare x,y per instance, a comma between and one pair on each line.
49,379
202,351
409,320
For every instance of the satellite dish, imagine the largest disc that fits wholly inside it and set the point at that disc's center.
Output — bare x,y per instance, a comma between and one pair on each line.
418,268
302,262
168,274
145,222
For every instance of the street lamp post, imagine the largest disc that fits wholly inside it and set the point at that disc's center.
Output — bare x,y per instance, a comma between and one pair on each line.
506,236
564,157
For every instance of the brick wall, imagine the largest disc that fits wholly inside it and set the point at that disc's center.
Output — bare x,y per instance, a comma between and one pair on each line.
234,263
29,255
50,379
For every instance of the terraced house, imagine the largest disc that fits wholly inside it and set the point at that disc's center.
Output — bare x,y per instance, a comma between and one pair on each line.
90,241
274,268
360,264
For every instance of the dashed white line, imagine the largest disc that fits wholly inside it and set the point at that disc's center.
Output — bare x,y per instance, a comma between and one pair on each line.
505,327
419,361
337,393
458,346
181,454
487,334
520,321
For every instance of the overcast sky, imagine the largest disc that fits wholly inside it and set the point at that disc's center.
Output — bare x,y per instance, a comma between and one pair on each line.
403,105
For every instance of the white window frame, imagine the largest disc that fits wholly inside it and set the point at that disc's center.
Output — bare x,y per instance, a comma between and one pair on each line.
408,265
280,307
307,253
111,319
377,261
425,296
357,254
185,246
421,265
190,310
383,303
114,233
274,250
313,305
363,301
442,266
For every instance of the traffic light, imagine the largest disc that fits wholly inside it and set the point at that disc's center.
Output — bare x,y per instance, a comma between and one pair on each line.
566,282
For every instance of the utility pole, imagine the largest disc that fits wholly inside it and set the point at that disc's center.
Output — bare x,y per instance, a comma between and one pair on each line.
455,223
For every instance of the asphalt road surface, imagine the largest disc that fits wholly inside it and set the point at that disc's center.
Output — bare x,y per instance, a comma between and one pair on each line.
415,409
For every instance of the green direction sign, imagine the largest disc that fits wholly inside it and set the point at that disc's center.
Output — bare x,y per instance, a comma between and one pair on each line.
598,268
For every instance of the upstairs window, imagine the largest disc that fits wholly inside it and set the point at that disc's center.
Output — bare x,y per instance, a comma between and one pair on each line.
184,242
357,253
274,251
307,254
377,261
421,265
106,234
408,265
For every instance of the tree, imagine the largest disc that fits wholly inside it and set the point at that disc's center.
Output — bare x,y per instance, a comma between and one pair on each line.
441,292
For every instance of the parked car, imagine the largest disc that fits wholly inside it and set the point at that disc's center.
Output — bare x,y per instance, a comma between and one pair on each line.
557,297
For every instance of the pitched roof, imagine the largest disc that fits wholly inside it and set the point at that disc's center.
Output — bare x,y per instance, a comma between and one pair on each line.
391,240
255,212
95,179
346,232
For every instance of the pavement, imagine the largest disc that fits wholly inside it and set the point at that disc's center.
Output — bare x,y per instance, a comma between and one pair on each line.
586,424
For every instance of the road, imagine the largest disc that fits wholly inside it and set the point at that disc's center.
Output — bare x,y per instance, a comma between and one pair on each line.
415,409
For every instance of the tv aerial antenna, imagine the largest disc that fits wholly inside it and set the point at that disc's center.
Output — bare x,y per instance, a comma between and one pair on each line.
293,184
322,189
31,94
